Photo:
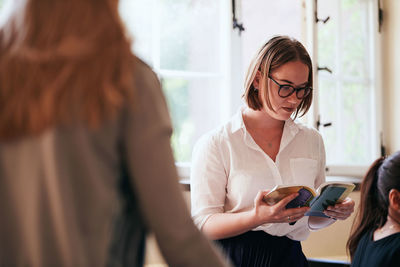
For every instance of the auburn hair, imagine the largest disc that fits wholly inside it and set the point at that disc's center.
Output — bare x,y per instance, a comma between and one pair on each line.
62,62
278,51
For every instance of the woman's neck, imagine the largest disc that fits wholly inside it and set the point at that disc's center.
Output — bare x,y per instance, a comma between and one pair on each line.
392,226
265,130
261,120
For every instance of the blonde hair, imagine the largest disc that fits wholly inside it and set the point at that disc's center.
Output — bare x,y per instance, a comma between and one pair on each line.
278,51
62,62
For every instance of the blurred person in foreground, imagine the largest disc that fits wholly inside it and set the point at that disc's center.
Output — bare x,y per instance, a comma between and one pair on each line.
86,166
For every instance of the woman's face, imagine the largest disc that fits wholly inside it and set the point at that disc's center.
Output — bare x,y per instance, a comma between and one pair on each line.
294,73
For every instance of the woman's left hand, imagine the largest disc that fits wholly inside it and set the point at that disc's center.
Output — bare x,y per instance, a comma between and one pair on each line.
341,211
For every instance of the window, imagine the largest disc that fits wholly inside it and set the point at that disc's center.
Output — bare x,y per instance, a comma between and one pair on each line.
347,103
3,11
187,43
264,19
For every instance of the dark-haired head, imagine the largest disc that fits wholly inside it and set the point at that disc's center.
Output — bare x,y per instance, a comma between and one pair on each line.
382,177
388,177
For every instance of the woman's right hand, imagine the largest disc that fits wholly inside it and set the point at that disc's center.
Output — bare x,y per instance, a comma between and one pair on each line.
277,213
224,225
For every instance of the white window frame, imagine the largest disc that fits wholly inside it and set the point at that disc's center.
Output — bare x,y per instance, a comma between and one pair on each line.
233,75
357,171
230,59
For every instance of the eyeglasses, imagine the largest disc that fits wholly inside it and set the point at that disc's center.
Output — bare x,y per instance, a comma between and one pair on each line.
286,90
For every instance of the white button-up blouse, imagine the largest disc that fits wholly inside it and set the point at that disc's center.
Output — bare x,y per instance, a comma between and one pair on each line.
229,168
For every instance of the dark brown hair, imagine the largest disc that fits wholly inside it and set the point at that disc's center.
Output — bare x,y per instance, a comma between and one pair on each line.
278,51
62,61
382,176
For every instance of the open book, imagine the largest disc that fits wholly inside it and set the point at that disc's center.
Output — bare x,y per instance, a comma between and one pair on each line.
327,194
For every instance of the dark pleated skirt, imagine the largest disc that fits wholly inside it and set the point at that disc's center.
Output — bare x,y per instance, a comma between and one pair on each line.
257,248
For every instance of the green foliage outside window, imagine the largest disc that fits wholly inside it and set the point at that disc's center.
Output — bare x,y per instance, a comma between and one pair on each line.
345,94
174,56
176,92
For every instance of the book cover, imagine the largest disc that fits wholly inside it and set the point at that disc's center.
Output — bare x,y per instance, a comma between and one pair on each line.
327,194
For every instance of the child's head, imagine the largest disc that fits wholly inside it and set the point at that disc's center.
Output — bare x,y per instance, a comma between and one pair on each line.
380,196
382,178
387,179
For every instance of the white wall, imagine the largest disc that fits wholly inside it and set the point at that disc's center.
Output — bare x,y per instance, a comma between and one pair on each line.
284,15
391,74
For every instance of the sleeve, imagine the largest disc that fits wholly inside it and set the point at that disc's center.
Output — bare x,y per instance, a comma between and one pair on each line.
321,175
146,137
208,179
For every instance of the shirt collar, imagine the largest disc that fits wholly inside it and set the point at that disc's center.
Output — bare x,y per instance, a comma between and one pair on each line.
237,121
290,129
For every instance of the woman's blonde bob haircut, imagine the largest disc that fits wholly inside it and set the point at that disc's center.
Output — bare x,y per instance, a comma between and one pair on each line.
62,62
278,51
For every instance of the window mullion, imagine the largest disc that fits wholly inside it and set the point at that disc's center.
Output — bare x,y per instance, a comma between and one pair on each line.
340,80
312,47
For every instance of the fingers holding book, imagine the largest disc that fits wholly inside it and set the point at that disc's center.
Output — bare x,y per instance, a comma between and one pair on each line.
290,213
340,211
278,212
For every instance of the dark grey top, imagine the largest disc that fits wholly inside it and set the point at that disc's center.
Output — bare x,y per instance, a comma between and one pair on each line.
79,197
384,252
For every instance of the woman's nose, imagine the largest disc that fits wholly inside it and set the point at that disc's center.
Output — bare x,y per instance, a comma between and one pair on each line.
293,98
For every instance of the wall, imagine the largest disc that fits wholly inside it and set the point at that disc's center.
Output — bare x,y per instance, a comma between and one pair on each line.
390,74
330,242
284,15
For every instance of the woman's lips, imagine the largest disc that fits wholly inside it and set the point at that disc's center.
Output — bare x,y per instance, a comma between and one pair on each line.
288,109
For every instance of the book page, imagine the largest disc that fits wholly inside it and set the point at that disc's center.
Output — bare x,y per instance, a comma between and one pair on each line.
303,199
305,196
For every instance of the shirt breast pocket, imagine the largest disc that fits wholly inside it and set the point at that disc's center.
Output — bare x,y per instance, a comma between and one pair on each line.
304,171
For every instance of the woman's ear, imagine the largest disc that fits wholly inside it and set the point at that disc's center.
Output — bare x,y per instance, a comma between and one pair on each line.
257,79
394,199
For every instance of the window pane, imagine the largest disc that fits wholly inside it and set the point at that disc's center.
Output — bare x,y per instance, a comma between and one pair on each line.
140,24
329,113
347,140
193,106
355,37
176,34
182,40
190,35
355,128
346,95
327,41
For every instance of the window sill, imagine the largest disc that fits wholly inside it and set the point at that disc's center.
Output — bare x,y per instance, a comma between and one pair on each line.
335,173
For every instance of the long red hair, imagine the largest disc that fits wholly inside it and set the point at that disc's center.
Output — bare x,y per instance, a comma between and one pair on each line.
62,62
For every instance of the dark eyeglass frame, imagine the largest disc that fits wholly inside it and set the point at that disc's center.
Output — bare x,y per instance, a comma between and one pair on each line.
297,90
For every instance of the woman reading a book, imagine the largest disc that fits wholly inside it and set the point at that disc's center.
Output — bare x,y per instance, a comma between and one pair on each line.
260,147
375,235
